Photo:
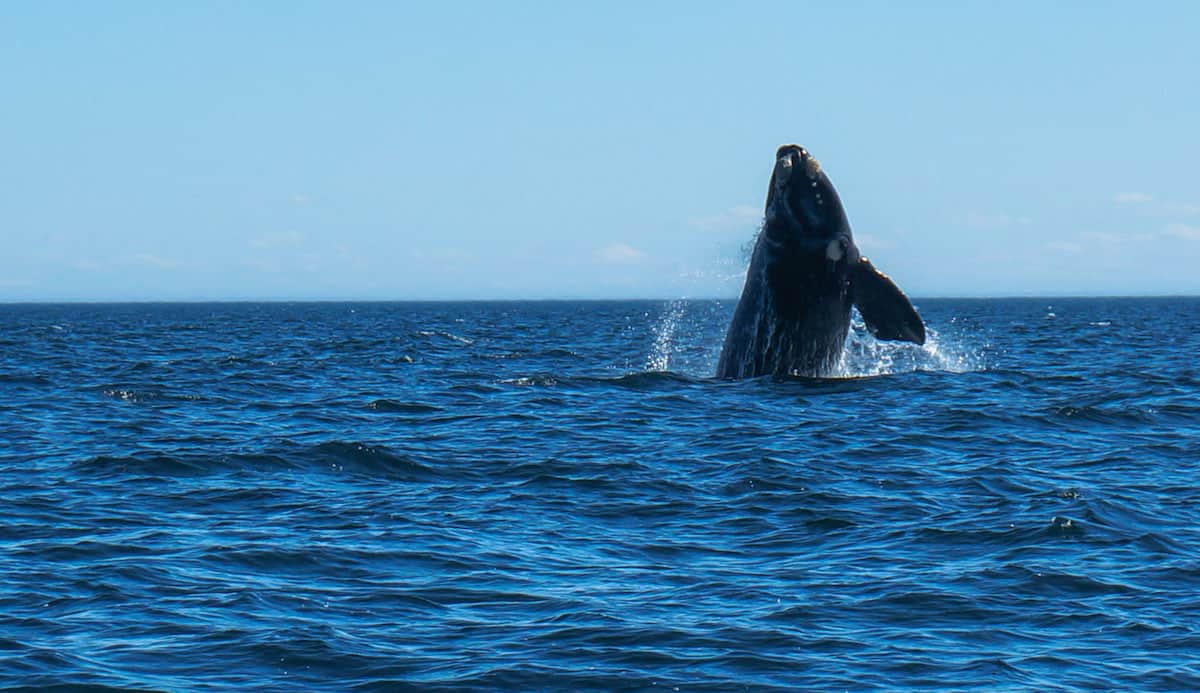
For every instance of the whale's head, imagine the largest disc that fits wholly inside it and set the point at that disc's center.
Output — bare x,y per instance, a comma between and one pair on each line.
804,211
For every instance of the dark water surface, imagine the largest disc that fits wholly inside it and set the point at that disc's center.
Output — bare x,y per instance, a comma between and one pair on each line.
557,496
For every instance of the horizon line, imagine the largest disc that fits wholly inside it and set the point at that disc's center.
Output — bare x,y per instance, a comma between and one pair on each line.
566,299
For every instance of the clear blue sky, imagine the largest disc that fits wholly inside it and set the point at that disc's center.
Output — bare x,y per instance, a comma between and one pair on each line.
567,149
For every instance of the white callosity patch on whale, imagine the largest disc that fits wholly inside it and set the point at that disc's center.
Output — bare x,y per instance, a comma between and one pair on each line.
812,167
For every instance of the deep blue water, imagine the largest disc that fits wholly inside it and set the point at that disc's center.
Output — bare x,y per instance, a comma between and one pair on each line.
382,496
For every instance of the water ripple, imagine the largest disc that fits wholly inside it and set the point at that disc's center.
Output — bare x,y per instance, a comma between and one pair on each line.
559,495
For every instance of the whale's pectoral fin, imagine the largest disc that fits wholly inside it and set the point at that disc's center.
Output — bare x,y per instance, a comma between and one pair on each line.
884,307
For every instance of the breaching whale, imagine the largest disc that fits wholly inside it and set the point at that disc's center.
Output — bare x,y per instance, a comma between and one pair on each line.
804,275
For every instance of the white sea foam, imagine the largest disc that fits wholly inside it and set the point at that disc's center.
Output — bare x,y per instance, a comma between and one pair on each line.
865,356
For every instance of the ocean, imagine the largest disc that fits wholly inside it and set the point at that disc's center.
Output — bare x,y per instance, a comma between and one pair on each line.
559,496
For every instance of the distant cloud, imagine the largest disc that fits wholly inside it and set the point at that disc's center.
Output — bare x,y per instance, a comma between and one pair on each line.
1097,240
1184,231
277,239
89,265
440,254
148,260
1064,247
118,263
867,241
985,220
1183,209
300,199
1110,238
1146,203
738,216
620,254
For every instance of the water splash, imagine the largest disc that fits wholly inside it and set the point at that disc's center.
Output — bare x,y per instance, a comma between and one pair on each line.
687,338
865,356
664,336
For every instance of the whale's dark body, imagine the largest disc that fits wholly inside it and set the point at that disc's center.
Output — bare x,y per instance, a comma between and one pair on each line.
805,274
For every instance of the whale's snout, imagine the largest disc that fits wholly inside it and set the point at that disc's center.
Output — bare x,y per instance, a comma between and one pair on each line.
801,195
791,160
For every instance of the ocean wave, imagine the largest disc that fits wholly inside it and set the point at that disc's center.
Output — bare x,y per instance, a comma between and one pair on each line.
572,500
